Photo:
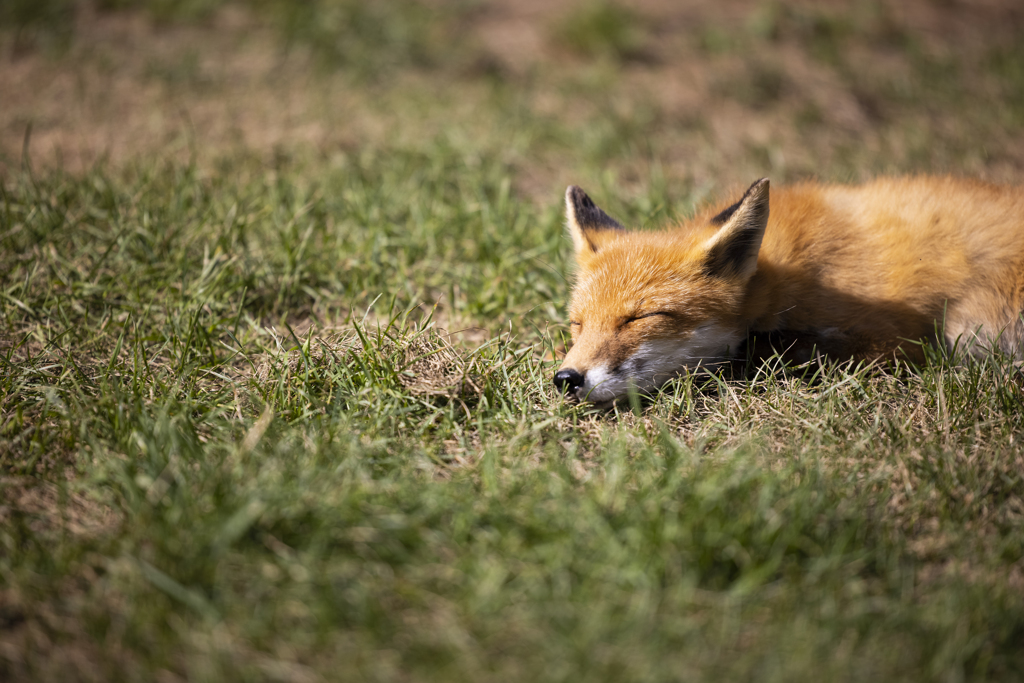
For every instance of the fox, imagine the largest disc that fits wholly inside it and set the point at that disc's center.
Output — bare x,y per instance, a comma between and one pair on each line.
870,272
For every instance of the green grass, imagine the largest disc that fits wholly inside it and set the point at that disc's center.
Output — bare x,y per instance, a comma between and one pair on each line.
602,29
288,415
202,476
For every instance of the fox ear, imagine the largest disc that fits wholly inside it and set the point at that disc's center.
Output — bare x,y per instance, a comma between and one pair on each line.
733,250
589,226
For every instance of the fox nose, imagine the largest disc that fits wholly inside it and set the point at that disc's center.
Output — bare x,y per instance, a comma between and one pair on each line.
568,381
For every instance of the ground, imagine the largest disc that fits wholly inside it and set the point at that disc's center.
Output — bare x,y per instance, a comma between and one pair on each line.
283,286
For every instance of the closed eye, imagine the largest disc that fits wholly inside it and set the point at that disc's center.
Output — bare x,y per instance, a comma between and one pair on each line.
646,315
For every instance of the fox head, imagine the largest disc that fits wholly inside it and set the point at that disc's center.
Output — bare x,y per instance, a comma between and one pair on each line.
647,306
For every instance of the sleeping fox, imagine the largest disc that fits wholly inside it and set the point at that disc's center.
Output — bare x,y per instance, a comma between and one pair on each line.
852,272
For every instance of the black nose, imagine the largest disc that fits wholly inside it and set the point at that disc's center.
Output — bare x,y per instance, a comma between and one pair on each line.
568,381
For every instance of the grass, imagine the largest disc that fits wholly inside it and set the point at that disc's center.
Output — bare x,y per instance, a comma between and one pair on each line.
602,29
234,490
286,414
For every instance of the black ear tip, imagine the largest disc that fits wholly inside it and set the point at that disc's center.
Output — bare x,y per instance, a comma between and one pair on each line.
577,197
756,195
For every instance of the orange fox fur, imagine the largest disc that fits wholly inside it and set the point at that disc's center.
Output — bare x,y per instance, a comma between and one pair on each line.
856,272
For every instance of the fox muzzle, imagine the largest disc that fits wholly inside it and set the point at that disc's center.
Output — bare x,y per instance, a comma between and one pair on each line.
568,381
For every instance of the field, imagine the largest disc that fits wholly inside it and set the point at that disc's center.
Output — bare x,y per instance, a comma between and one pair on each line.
283,287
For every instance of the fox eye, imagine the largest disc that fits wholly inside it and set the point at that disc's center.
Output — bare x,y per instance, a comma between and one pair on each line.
575,323
646,315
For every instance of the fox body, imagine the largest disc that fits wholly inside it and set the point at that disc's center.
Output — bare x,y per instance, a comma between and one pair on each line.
851,272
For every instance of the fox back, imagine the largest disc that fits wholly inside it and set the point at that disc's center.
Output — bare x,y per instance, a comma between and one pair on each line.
860,272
